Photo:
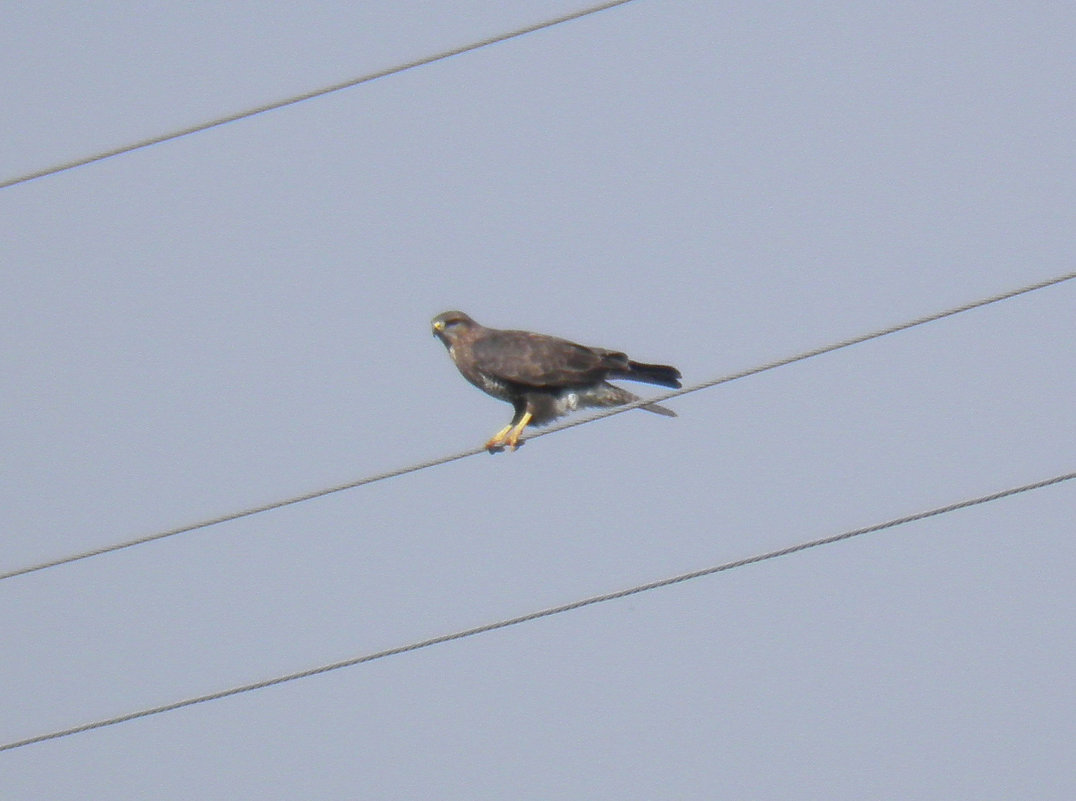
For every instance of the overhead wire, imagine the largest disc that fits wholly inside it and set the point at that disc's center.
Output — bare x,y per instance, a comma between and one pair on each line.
253,510
548,612
807,354
309,95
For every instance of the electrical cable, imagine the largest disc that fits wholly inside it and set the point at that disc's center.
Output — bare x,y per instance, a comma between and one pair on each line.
555,610
253,510
336,87
844,343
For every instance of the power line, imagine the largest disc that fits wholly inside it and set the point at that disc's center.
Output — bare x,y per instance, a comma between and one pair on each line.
253,510
336,87
227,518
807,354
555,610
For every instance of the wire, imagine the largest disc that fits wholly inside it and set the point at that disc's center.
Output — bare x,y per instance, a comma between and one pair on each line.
226,518
549,612
336,87
807,354
253,510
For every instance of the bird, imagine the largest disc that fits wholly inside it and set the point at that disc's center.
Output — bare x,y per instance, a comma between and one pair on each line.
543,377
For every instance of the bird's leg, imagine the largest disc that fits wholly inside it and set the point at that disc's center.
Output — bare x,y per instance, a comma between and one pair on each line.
517,429
509,435
496,442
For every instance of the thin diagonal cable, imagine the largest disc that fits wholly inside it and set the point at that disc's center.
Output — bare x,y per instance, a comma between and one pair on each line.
373,76
807,354
225,518
554,610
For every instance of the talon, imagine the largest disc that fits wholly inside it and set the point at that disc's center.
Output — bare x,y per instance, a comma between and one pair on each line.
496,442
514,434
509,436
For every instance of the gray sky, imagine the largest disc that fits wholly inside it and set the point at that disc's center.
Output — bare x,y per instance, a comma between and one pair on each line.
243,314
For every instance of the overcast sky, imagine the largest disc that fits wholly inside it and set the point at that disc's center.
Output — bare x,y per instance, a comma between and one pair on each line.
242,315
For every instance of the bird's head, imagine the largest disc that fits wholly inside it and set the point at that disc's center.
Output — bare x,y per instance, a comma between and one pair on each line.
450,325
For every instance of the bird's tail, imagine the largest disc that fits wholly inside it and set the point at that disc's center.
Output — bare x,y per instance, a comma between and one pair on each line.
662,374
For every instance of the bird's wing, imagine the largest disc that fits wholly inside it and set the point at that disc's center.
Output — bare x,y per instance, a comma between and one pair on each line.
538,360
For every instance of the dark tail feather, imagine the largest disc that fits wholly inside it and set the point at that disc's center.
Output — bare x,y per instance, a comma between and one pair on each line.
661,374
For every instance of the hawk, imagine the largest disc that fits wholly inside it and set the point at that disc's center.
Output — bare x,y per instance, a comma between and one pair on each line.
543,377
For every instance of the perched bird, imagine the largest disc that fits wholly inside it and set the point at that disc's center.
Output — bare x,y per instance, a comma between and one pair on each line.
543,377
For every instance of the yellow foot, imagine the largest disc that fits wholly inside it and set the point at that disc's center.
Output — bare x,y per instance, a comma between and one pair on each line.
496,445
517,431
509,436
496,442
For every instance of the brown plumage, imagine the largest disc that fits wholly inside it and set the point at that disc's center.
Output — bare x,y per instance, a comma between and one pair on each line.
543,377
